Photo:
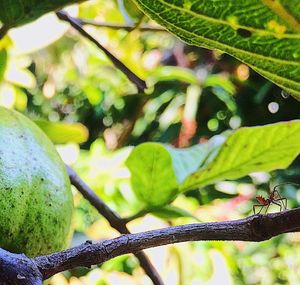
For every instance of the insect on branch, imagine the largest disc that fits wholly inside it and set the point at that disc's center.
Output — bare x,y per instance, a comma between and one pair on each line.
274,198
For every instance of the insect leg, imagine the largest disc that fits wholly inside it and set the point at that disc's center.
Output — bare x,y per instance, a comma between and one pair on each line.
278,204
280,198
268,205
257,205
283,201
277,192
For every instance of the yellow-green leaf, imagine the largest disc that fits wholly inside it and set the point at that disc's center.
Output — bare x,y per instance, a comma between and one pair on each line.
247,150
61,133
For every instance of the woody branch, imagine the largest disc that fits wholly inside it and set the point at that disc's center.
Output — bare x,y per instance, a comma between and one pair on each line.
254,228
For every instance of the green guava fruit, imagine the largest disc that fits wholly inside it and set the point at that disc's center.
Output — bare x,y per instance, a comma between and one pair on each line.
36,202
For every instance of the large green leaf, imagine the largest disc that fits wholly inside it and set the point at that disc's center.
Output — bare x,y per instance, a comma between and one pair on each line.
249,150
265,34
160,172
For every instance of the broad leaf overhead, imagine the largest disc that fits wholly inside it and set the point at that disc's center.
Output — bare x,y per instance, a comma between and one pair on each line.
264,34
160,172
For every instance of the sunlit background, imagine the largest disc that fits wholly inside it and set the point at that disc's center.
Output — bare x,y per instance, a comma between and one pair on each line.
50,73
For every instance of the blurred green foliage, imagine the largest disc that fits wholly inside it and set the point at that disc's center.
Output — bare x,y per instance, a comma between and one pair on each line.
193,95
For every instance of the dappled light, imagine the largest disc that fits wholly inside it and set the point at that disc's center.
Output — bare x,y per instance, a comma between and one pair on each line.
178,122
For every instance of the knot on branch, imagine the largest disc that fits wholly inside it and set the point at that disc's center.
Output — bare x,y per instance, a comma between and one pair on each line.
261,228
267,226
18,269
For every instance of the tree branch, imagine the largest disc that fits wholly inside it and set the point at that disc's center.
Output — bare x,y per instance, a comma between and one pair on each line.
117,26
131,123
18,269
114,220
76,24
254,228
3,31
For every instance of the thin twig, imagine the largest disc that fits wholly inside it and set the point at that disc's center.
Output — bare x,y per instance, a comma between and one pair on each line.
130,125
114,220
254,228
117,26
3,31
137,215
76,24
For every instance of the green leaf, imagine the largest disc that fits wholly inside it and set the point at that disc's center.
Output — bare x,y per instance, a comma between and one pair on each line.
249,150
160,172
3,62
188,160
61,133
263,34
157,170
168,73
132,10
218,80
152,177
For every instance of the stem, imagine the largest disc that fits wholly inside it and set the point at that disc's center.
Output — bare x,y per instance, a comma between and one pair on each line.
76,24
3,31
116,26
139,214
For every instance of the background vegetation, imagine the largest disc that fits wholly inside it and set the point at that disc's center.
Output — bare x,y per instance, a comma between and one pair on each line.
96,117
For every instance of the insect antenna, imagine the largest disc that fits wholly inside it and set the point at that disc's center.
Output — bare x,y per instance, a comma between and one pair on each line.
285,183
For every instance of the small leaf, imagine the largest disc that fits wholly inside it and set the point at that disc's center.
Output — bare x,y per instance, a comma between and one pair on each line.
216,80
247,150
168,73
61,133
152,176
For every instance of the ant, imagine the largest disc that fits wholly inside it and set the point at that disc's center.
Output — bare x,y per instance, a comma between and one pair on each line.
274,198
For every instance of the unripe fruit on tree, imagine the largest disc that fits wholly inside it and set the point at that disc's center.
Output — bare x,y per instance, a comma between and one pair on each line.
35,197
